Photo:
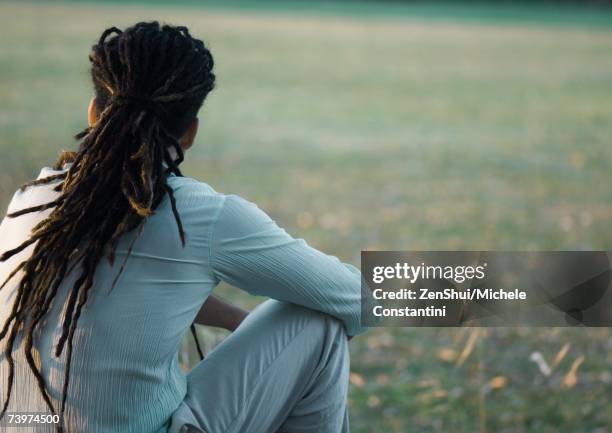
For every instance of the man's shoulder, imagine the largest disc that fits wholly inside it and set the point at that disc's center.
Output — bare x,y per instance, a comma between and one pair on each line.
35,195
186,184
190,192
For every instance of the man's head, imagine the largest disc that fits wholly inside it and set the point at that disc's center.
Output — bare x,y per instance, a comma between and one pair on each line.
156,73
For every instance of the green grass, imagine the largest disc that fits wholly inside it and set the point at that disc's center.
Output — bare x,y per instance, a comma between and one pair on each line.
401,132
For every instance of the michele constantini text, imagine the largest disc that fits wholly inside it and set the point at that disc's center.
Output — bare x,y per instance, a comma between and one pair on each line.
435,295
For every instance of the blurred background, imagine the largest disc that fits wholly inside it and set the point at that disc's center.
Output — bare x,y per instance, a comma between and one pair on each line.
382,125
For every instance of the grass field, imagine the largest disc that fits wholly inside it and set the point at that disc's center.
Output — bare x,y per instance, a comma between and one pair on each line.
382,132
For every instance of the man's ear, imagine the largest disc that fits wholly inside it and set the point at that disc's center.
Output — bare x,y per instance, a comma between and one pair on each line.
190,134
91,112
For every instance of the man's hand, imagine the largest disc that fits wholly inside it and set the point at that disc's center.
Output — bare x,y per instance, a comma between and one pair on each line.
220,314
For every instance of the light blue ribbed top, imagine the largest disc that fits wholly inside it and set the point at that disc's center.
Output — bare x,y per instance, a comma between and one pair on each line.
125,375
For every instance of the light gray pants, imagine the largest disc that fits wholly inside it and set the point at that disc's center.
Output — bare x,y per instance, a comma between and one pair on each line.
285,369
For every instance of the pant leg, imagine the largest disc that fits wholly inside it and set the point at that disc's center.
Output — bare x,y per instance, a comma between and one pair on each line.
285,369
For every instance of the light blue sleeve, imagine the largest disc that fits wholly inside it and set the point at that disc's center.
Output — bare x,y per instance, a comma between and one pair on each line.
251,252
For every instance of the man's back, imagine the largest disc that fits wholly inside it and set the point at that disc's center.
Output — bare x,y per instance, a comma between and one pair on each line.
124,366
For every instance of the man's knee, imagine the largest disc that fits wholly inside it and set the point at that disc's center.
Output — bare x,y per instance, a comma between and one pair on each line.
321,324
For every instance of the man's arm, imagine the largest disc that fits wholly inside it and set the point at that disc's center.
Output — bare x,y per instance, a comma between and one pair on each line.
251,252
220,314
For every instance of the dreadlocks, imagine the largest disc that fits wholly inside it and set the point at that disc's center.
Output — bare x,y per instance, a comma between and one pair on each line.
149,82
